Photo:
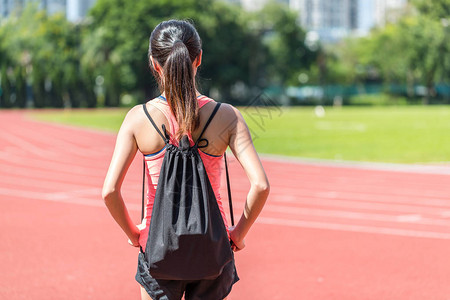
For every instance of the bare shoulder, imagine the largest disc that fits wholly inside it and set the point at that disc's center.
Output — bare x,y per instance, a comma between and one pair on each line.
230,113
136,115
135,110
133,117
138,110
228,108
233,115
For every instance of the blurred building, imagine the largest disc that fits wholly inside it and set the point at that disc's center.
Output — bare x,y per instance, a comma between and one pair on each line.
328,20
78,9
388,11
51,6
252,5
74,10
4,8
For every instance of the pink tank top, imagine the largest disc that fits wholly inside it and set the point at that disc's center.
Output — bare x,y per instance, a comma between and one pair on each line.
154,161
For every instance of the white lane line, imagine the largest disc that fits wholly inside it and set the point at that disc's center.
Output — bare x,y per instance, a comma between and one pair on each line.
351,190
418,198
355,228
34,164
68,197
23,180
380,197
79,197
414,218
445,214
73,128
427,206
24,144
438,168
58,145
45,183
67,183
359,204
352,215
87,197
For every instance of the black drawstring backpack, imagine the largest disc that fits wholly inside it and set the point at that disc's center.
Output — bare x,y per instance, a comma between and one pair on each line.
187,236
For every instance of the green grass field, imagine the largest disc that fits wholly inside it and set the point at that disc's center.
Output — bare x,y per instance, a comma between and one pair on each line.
403,134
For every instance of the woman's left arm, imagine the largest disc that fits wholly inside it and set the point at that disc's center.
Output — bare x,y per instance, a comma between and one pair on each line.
124,153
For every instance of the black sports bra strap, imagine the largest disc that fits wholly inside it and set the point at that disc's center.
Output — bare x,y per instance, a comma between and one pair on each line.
209,121
166,140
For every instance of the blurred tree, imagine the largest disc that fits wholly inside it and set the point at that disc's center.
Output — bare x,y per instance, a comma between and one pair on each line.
344,63
6,87
227,46
287,54
40,56
57,63
415,50
388,53
429,52
436,17
436,9
118,44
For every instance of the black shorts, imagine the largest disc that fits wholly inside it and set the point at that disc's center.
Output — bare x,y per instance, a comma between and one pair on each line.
215,289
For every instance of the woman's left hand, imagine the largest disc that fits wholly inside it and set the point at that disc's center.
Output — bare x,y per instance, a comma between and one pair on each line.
237,242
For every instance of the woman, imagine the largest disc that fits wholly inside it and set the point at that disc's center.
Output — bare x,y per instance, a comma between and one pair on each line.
174,56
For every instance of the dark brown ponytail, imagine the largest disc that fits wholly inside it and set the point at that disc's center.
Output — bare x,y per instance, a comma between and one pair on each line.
175,45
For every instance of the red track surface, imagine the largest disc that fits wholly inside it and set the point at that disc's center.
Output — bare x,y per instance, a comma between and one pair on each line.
327,231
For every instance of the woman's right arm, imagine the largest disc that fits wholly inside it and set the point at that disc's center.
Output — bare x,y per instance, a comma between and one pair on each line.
241,145
124,153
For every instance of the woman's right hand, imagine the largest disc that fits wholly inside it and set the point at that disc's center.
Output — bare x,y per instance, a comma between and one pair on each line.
135,241
238,243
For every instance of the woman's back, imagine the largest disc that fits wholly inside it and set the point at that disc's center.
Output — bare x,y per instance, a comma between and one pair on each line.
218,132
213,162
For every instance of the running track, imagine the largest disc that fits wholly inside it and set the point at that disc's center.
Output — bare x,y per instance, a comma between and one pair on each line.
328,231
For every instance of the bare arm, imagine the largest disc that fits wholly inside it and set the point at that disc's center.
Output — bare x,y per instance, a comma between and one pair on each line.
124,152
243,149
